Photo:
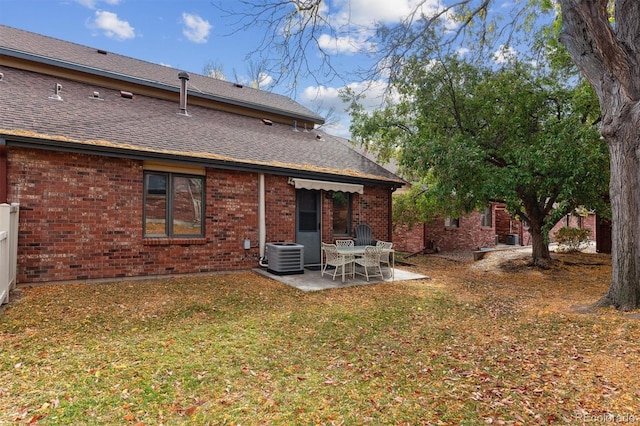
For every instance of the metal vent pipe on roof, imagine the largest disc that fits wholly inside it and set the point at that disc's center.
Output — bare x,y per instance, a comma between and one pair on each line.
184,77
56,95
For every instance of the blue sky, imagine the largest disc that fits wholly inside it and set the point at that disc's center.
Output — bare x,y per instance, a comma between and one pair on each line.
189,34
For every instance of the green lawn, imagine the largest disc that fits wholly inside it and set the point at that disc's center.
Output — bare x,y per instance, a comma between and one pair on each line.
242,349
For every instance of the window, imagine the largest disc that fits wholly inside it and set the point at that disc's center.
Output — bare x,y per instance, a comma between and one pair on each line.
173,205
487,220
451,222
341,213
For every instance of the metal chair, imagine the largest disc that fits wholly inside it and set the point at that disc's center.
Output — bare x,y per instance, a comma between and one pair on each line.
335,259
344,243
385,254
364,235
370,260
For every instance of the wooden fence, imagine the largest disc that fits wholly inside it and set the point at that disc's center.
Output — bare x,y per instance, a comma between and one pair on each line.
8,248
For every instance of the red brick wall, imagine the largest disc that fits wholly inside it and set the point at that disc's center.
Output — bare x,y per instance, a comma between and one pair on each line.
410,240
470,235
327,218
372,208
81,218
588,222
280,205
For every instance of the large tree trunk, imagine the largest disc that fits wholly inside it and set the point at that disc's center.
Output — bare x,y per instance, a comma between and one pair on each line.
539,248
610,59
624,188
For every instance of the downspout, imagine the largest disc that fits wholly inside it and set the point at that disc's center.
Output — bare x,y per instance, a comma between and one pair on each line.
424,238
390,215
262,221
4,172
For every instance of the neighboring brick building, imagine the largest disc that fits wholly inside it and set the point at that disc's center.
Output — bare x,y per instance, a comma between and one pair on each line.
576,221
121,170
469,232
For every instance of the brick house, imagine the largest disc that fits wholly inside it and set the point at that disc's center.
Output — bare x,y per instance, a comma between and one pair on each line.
481,229
125,168
468,232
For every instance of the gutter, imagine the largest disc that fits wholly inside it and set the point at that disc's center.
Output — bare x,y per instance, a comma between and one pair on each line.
4,172
262,226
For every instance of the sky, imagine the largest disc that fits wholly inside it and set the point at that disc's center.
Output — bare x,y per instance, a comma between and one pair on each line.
190,34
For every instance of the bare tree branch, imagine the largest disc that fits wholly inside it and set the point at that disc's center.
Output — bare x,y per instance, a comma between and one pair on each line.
302,39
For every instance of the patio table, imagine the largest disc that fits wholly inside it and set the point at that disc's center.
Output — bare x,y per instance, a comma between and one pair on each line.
359,251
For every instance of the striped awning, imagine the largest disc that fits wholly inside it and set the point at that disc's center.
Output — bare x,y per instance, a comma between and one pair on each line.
321,185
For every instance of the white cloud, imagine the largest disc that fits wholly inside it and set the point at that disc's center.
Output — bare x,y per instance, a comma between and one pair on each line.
91,4
195,28
348,45
340,129
367,12
355,21
264,80
112,26
505,54
329,97
324,98
462,51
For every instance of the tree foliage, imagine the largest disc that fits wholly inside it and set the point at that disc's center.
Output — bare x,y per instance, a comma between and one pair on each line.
572,239
482,134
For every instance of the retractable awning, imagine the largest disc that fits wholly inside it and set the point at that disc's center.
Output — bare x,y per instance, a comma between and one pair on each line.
325,185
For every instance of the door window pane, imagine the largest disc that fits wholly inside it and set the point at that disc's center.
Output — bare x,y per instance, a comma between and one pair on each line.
307,211
308,222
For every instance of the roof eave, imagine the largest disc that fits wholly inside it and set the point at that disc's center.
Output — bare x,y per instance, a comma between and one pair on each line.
77,147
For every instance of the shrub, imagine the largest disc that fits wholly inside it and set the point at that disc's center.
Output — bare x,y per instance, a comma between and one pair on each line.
572,239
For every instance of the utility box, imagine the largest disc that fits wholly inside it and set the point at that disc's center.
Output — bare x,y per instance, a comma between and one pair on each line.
285,258
513,239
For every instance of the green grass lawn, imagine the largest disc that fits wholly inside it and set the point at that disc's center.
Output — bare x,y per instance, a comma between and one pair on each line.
242,349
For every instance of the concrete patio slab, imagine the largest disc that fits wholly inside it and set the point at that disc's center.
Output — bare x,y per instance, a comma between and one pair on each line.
312,281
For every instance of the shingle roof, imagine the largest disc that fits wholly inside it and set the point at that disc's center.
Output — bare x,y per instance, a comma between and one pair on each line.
74,56
153,127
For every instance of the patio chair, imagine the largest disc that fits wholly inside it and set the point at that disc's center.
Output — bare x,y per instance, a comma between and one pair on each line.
336,260
344,243
370,260
385,254
364,235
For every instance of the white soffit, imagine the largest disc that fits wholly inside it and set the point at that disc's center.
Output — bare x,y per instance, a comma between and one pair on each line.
326,186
